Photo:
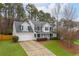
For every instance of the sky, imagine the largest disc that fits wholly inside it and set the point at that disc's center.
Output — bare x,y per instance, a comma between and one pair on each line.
47,7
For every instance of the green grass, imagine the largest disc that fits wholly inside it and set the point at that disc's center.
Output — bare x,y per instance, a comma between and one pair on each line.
8,48
76,42
53,46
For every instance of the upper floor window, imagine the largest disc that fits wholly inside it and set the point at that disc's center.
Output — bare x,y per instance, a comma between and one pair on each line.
46,28
29,28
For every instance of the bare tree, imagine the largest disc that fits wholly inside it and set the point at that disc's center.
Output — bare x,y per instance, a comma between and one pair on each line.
56,13
69,14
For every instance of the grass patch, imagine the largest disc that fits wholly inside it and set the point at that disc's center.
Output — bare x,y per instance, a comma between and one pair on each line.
76,42
8,48
54,46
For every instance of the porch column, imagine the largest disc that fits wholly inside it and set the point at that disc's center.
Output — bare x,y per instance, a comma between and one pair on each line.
36,35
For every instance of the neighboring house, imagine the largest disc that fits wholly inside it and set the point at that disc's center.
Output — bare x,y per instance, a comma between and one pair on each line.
76,28
32,30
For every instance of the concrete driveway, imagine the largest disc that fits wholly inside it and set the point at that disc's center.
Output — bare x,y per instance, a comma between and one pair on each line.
33,48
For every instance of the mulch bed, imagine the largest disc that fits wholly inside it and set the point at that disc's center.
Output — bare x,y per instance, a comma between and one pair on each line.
5,37
73,49
41,39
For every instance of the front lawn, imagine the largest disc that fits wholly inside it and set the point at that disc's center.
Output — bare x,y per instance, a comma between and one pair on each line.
8,48
76,42
54,46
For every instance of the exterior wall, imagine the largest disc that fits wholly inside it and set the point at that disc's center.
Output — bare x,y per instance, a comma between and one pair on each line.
46,25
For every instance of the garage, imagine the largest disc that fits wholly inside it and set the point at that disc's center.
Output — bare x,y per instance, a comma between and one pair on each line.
25,36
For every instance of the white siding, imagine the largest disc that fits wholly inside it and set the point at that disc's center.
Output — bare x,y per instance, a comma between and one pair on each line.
46,25
26,36
25,26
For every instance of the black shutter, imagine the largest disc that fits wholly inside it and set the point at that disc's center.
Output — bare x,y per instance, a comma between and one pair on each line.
21,27
50,28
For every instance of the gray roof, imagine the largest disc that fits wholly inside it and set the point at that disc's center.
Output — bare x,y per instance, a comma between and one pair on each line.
17,26
38,23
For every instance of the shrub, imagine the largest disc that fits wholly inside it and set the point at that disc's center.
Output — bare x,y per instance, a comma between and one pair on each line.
41,39
15,38
54,38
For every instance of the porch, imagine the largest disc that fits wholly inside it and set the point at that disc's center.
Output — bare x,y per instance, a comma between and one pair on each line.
43,35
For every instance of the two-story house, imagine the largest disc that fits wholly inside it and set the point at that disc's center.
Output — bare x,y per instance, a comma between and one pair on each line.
32,30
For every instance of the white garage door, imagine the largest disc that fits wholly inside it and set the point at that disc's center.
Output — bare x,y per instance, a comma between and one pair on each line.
26,36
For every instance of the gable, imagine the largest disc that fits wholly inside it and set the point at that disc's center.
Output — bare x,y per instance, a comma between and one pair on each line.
23,26
47,25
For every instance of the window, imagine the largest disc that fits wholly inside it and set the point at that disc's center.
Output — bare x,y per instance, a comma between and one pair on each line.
38,28
29,28
46,28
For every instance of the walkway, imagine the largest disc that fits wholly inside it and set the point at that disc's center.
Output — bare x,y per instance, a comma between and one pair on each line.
33,48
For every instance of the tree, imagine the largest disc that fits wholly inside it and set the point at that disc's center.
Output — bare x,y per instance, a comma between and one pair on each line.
9,16
10,11
1,8
32,11
41,15
56,13
48,17
69,14
20,11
